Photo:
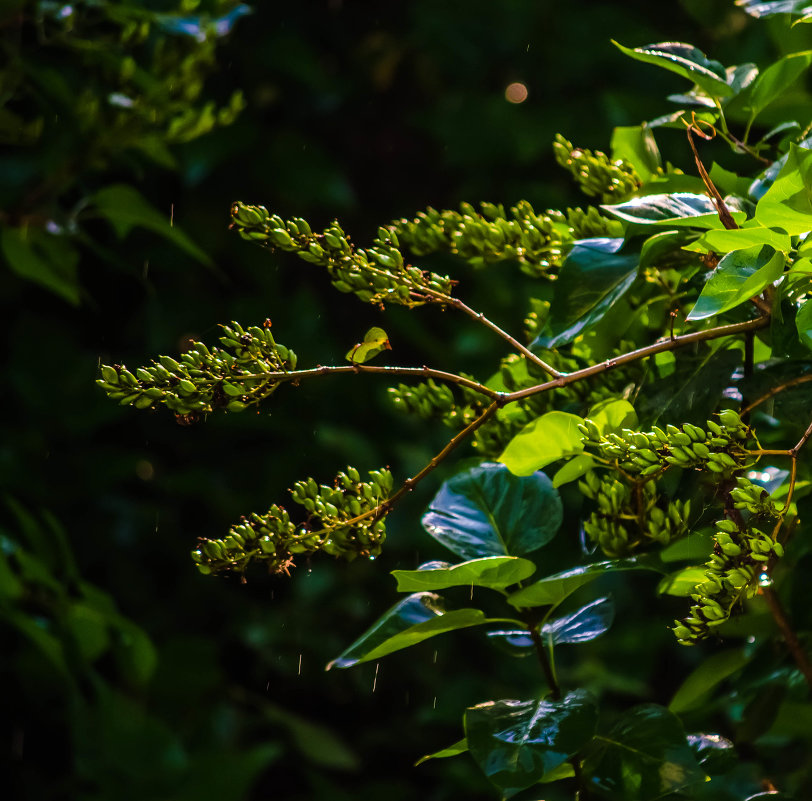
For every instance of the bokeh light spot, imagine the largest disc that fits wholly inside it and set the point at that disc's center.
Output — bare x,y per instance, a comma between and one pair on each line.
516,93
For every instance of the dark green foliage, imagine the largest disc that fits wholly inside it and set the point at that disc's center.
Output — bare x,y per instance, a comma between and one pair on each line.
660,384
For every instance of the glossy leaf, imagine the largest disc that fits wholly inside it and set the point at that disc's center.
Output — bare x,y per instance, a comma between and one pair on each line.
491,571
550,591
724,241
409,622
586,624
713,671
715,754
740,276
636,145
573,470
547,439
766,8
685,60
460,747
767,178
516,642
376,340
516,742
644,757
778,77
125,208
803,322
48,260
488,511
613,415
675,209
594,276
692,391
682,582
787,204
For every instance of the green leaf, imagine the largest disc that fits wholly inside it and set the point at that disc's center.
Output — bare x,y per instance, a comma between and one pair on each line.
376,340
552,590
787,204
712,672
740,276
585,624
594,276
125,208
644,757
492,571
48,260
714,753
685,60
724,241
488,511
575,468
89,629
414,619
636,145
766,8
613,415
516,742
682,582
677,208
778,77
547,439
692,391
803,322
460,747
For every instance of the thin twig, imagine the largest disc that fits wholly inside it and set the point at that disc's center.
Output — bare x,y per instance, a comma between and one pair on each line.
481,318
790,637
640,353
775,391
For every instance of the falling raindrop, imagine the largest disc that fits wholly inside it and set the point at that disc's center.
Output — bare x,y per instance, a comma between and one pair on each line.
435,658
375,680
300,665
435,703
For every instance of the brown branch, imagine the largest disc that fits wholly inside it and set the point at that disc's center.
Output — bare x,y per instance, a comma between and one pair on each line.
526,352
718,201
790,637
776,390
640,353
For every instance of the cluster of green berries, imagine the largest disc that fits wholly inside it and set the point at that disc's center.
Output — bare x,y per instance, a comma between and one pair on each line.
243,373
375,275
596,174
537,242
345,520
741,552
630,515
719,448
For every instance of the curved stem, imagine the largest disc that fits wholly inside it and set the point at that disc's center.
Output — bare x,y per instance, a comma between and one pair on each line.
293,376
776,390
514,343
640,353
790,637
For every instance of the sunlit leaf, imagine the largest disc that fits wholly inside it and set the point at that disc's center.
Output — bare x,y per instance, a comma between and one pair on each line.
488,511
778,77
766,8
460,747
414,619
376,340
491,571
724,241
685,60
547,439
787,204
516,742
715,754
636,145
550,591
739,276
682,582
677,208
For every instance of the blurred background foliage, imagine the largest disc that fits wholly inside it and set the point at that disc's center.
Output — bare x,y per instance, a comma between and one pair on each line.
128,128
